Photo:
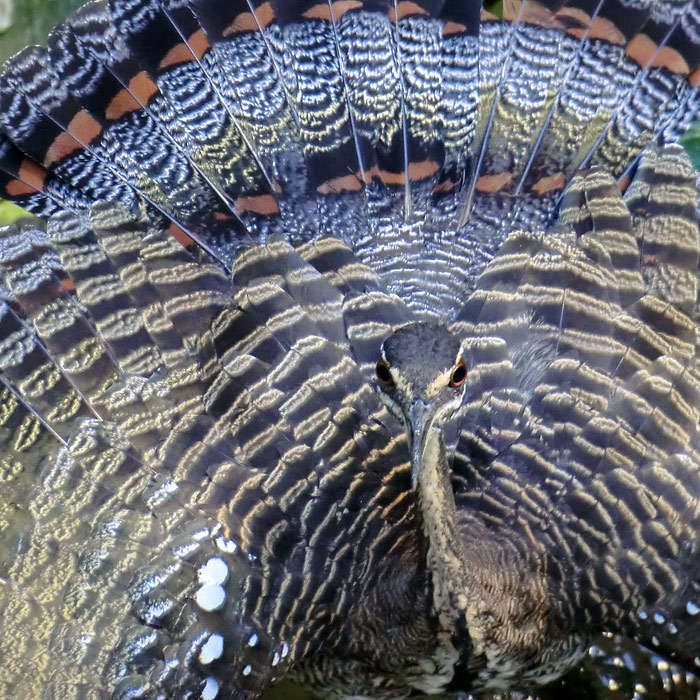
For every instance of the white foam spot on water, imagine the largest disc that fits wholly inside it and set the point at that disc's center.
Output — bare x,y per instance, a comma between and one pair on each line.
276,659
212,649
247,670
643,615
253,640
211,689
659,619
214,571
691,608
285,650
210,597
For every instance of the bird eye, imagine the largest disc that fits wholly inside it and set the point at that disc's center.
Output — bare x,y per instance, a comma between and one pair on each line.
383,374
459,374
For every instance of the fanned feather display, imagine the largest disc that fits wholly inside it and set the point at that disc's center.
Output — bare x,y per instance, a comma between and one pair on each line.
239,201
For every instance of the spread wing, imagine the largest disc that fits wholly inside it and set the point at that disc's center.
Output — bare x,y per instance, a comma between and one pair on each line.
200,482
579,435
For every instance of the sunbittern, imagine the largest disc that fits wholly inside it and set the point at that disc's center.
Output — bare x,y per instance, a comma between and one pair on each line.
358,345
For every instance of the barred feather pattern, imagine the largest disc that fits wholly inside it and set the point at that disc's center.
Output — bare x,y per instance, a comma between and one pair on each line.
202,493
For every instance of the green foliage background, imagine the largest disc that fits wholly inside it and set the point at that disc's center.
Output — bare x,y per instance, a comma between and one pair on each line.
495,6
29,21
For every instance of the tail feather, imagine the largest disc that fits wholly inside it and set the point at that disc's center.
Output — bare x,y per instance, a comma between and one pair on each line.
42,135
593,44
137,133
26,186
31,185
574,128
653,98
250,79
460,96
258,183
169,47
282,118
316,91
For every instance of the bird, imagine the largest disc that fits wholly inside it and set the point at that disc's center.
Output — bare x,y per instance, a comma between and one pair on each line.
349,342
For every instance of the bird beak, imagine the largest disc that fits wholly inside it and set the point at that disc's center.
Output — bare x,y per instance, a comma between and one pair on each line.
420,419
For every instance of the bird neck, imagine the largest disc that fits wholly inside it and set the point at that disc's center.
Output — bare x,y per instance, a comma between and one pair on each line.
438,519
482,587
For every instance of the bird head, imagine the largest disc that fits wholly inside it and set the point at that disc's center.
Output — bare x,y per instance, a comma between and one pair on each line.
421,374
